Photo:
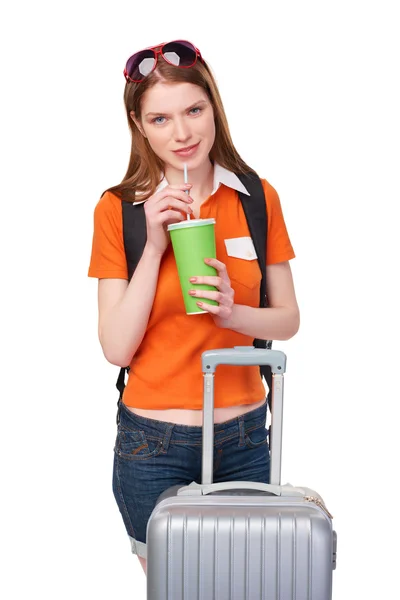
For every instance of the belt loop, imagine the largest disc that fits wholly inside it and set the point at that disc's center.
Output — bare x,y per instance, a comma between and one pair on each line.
167,438
241,430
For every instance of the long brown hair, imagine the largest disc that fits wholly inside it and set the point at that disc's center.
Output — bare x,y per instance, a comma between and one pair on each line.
145,168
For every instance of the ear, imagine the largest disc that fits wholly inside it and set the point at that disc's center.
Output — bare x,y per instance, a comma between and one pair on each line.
137,123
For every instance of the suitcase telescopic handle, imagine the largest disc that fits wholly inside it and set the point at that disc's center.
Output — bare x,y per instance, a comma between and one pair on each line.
243,356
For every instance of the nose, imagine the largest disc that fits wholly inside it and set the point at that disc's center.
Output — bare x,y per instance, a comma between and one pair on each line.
182,131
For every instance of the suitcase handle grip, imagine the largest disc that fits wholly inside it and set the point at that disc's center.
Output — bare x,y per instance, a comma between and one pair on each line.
195,489
245,356
245,485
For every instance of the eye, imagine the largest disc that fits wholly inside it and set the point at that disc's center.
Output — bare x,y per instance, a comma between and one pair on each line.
195,111
158,120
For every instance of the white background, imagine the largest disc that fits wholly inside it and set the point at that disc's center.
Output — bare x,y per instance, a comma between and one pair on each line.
312,98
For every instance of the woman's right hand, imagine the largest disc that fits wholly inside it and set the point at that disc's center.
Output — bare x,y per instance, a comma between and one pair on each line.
162,209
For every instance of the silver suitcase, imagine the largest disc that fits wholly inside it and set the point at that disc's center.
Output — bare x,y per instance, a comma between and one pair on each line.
240,540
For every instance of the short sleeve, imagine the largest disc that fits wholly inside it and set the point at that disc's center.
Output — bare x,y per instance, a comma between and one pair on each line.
279,247
108,254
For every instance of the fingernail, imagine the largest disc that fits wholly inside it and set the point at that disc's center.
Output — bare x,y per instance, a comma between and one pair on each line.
192,293
188,185
193,280
190,199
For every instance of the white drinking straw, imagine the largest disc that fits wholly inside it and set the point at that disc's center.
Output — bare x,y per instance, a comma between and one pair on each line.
185,179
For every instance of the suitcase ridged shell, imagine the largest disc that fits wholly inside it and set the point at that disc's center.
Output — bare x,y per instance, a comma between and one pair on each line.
228,552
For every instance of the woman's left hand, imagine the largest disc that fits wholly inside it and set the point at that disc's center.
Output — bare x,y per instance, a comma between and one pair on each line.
224,296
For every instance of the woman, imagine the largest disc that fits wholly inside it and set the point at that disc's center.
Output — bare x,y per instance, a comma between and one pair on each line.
176,116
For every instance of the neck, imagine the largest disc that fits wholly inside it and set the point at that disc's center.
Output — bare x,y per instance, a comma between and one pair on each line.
201,178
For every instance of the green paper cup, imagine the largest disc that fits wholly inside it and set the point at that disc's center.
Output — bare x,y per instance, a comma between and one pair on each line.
192,242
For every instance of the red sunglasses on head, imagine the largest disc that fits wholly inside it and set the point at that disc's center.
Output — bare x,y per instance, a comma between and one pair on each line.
179,53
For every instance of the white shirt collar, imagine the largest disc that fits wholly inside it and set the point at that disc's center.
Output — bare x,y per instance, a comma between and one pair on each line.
221,175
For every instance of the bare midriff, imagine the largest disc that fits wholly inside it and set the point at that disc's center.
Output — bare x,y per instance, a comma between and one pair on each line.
195,417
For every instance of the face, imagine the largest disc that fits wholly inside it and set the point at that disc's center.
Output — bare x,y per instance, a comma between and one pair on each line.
178,121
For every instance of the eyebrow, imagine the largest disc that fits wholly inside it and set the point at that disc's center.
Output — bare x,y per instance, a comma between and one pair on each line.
150,114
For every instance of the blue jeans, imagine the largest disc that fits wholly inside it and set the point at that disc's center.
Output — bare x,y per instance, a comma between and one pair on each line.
150,456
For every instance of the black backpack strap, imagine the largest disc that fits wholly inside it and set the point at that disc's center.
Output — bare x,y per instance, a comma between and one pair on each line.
255,210
135,233
120,387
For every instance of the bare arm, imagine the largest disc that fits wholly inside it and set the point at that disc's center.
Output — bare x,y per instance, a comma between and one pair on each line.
124,309
281,320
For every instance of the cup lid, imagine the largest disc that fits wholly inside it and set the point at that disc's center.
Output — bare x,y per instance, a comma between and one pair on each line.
191,223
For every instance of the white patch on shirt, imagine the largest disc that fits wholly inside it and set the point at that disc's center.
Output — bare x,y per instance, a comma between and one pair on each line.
242,247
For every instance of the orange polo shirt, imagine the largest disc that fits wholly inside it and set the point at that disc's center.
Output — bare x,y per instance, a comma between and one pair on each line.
166,371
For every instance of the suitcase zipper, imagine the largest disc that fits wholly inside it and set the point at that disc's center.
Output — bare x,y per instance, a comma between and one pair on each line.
319,503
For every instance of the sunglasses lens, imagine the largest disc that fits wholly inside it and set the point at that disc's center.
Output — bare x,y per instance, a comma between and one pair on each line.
180,53
140,64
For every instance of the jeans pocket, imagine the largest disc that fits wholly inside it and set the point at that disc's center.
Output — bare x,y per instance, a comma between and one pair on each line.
136,445
257,437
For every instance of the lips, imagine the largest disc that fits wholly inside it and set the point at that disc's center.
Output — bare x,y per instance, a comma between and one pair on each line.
187,150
